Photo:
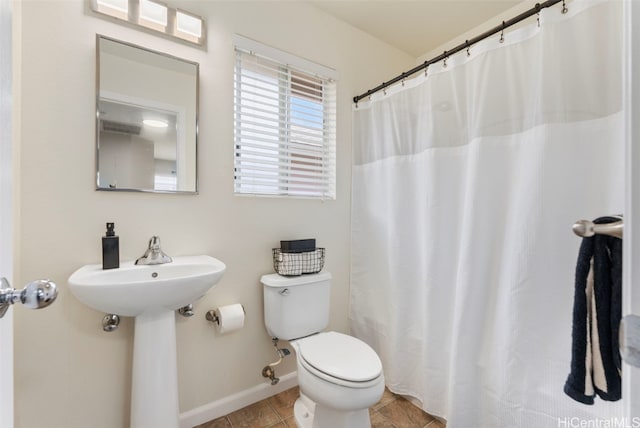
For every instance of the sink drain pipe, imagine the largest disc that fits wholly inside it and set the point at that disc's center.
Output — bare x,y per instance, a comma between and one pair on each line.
110,322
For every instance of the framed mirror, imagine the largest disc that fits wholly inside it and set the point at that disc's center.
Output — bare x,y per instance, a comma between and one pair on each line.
146,119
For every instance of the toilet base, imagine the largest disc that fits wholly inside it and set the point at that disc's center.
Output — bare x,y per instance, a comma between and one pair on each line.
308,414
303,410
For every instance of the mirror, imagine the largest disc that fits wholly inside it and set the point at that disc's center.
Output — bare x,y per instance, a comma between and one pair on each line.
147,119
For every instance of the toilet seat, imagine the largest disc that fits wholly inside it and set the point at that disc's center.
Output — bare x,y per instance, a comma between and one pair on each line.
339,359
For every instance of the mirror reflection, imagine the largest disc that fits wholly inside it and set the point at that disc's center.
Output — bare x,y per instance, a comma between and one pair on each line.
146,119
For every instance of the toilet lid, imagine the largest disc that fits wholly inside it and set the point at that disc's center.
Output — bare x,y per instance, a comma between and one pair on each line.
340,356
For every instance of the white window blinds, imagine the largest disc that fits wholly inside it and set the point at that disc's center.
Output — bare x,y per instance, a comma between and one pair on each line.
285,129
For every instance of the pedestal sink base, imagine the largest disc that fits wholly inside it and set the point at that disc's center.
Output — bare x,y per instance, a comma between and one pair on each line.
154,385
151,293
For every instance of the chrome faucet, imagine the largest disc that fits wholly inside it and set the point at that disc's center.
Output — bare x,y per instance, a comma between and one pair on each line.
154,254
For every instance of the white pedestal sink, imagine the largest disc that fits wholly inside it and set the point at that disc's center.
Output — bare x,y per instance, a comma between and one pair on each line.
151,294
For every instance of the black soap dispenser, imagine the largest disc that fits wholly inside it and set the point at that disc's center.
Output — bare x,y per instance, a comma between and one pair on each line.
110,248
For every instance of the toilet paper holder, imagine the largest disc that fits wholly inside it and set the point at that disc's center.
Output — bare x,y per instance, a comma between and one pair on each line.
213,317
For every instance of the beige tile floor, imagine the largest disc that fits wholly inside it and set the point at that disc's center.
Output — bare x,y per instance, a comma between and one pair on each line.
391,411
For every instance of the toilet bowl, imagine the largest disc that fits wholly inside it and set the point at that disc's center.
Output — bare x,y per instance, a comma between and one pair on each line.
339,376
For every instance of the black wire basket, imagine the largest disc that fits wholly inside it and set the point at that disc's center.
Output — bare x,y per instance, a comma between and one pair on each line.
295,264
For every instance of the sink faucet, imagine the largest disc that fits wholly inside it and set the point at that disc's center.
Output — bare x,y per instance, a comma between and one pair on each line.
154,254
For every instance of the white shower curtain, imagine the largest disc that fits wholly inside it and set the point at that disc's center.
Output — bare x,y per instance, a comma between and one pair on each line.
465,186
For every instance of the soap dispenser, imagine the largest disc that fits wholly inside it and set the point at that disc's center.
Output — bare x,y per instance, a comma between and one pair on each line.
110,248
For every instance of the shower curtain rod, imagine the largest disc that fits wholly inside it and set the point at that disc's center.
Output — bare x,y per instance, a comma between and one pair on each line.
467,44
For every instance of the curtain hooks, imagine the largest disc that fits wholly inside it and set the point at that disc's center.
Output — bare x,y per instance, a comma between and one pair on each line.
564,7
446,57
502,33
426,67
468,53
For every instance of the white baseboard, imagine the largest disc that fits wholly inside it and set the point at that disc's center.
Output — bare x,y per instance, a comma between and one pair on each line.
226,405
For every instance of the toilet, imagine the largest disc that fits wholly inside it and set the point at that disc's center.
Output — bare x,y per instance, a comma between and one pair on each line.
339,376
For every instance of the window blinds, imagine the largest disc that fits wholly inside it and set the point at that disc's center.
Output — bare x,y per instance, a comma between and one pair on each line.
285,129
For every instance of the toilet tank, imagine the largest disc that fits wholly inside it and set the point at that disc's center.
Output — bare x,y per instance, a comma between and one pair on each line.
297,306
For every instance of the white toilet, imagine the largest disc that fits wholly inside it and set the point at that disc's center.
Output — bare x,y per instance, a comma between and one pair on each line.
339,376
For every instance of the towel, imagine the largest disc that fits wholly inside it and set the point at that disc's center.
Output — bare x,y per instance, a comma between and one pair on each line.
597,309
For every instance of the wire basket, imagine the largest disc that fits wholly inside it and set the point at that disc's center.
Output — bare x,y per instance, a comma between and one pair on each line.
295,264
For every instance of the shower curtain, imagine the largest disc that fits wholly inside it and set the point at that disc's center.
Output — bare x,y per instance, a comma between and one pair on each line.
466,183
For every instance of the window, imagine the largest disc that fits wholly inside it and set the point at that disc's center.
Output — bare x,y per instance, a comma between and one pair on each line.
285,120
156,16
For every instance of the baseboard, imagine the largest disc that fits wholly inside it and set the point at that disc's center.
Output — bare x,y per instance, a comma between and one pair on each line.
226,405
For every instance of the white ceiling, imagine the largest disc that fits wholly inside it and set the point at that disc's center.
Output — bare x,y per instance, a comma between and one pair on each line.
415,26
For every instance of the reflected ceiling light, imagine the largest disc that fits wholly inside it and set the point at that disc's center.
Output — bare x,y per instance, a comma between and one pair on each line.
153,13
156,16
155,123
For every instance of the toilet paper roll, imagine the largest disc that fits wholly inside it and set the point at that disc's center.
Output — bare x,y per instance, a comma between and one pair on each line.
230,318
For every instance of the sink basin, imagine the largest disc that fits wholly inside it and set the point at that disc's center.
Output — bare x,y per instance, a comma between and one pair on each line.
134,289
151,294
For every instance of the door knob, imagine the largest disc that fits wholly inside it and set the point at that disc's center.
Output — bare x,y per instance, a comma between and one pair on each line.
630,340
35,295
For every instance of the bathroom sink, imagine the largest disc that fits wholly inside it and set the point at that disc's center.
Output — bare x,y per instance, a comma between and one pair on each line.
134,289
151,294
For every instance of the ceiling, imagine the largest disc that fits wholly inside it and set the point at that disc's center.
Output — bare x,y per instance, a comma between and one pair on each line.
415,26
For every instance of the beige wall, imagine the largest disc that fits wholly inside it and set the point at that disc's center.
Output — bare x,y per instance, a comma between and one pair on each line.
69,373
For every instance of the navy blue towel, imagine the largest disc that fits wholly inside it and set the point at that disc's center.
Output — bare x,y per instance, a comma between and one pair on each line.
595,355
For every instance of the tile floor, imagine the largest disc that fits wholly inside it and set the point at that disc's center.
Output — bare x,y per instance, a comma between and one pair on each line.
391,411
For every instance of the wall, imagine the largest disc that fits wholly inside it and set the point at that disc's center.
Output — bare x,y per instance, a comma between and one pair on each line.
68,372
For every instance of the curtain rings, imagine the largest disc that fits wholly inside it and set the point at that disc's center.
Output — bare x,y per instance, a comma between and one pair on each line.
446,57
538,7
564,7
468,53
426,68
502,33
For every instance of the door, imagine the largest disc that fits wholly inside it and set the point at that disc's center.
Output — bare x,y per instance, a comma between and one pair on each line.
6,230
631,263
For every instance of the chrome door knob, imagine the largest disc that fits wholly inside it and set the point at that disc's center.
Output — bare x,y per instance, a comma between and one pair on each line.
630,340
39,294
35,295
